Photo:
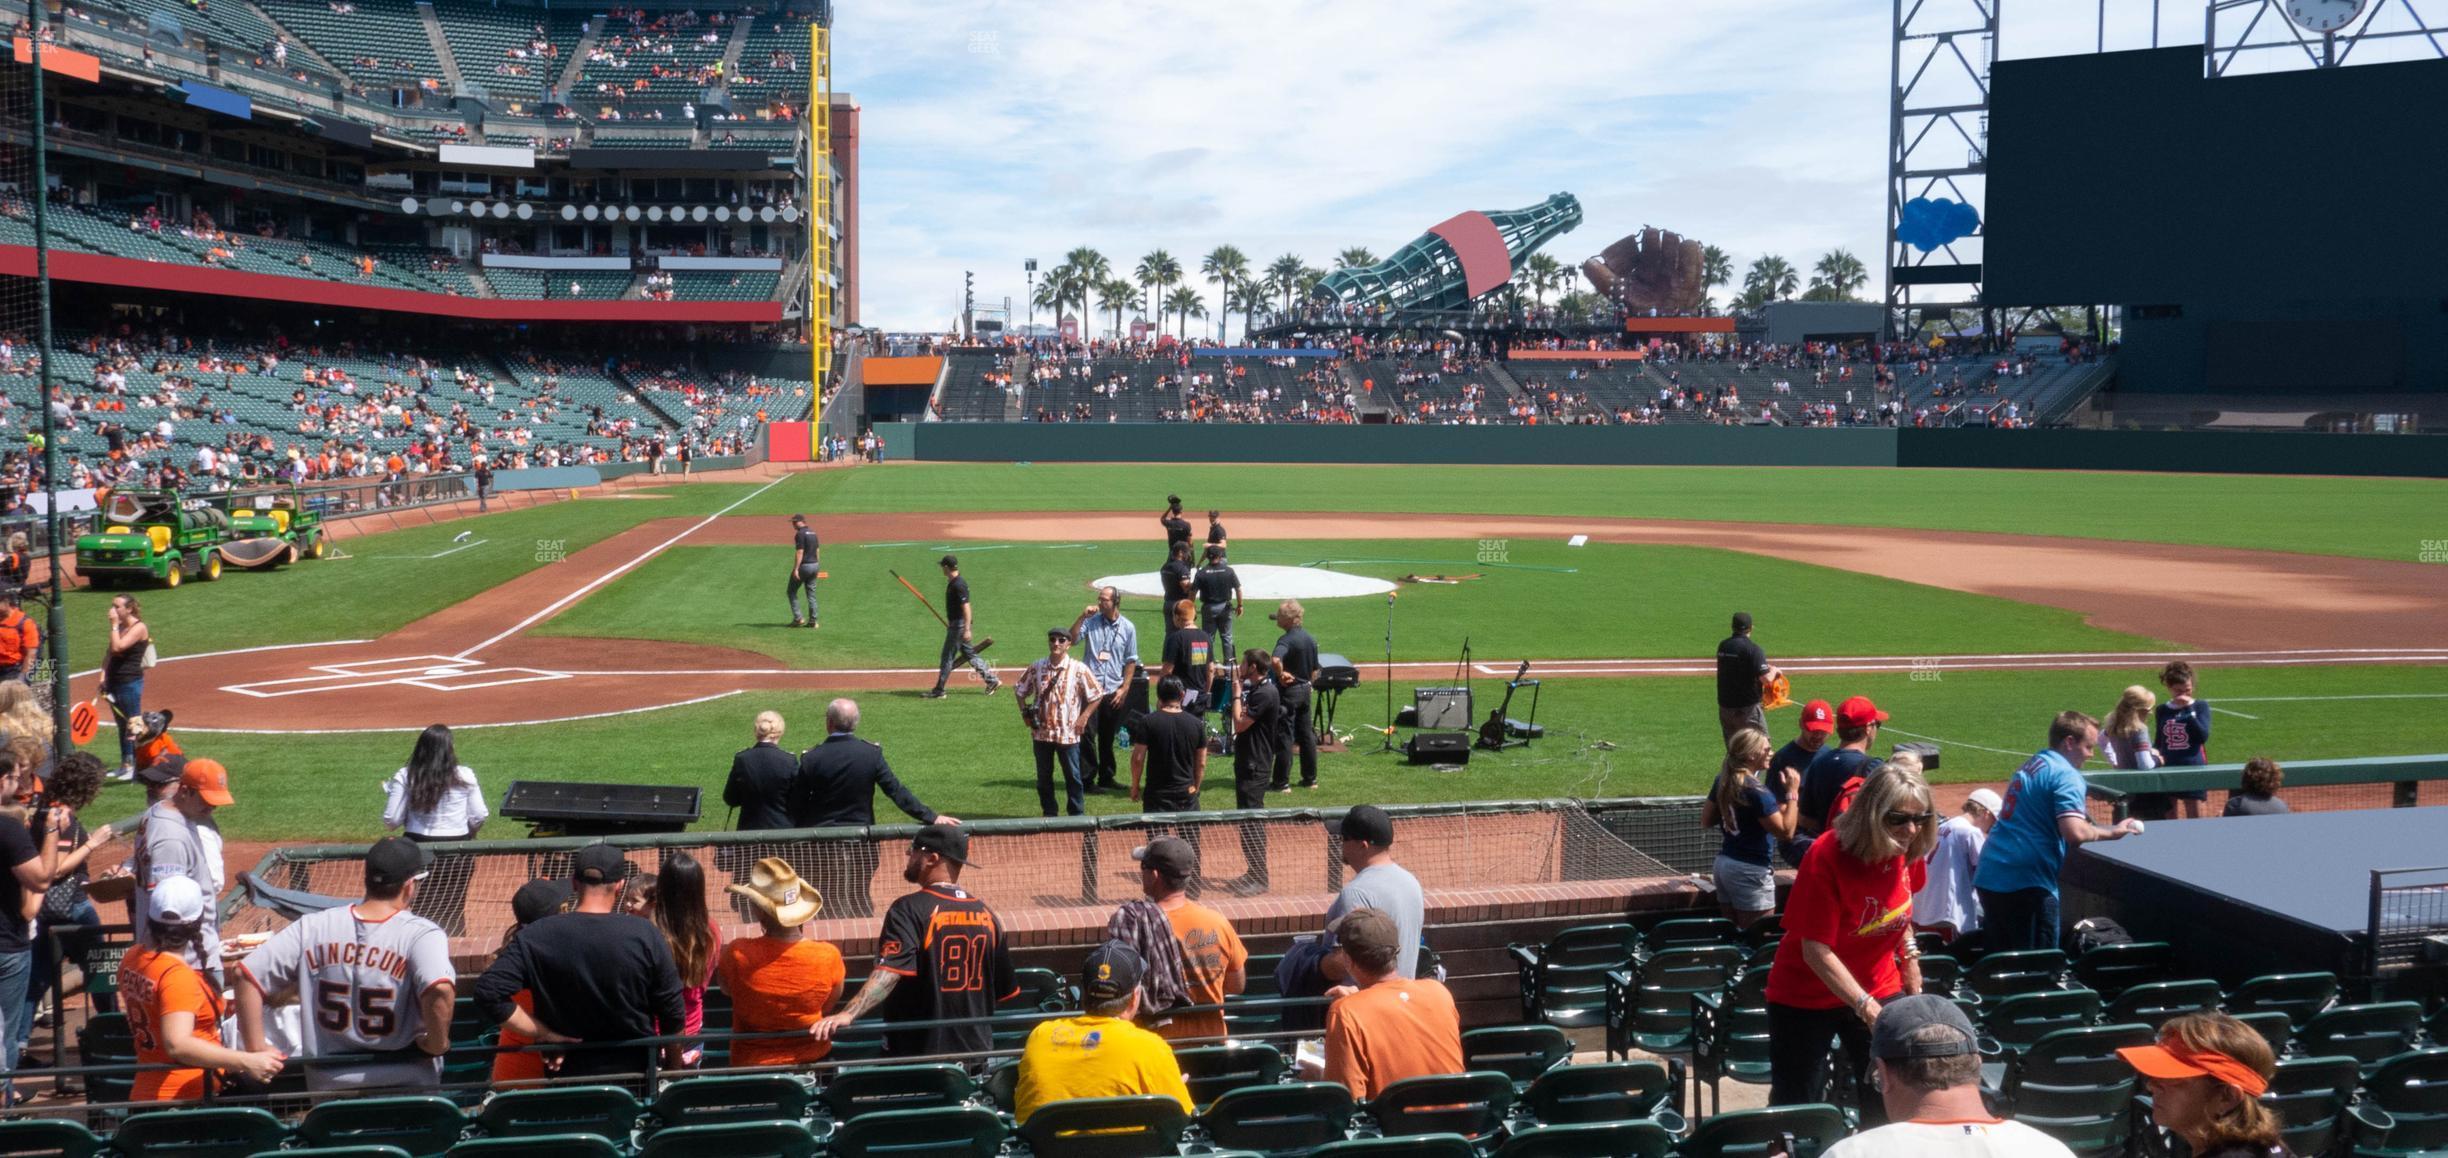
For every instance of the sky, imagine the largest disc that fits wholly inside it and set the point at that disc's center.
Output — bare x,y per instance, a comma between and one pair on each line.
992,132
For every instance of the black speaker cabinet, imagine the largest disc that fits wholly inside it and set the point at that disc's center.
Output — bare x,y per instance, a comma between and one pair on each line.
1443,707
1439,748
1927,752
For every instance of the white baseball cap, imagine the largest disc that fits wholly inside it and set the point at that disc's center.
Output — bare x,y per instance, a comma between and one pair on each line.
177,900
1986,799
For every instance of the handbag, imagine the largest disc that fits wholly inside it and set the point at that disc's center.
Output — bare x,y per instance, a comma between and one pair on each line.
151,657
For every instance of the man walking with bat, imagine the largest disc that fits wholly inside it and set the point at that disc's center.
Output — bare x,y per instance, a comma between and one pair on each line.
956,617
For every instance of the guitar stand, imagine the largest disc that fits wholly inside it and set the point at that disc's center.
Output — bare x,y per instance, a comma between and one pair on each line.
1502,731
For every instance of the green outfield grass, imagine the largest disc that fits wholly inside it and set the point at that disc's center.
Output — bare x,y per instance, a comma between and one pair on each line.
968,755
1545,600
2379,518
387,580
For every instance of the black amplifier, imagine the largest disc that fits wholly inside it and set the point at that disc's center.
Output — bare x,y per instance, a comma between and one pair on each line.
560,808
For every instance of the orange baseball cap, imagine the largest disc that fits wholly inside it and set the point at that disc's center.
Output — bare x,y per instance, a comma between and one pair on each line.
2170,1061
208,779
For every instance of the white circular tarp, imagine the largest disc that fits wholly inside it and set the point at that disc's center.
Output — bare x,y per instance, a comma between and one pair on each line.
1266,581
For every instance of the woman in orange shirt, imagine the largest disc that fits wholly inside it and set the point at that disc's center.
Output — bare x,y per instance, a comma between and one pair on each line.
172,1008
782,980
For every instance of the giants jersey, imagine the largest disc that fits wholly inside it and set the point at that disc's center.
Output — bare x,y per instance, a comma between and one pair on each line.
948,949
362,983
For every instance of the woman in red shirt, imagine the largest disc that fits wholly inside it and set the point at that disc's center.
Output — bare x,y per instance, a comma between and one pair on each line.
1848,936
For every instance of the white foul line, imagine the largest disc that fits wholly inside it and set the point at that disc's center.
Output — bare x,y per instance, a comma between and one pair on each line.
1952,743
2232,712
616,572
437,554
462,727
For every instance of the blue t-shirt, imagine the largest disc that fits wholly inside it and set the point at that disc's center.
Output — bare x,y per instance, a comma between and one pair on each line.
1749,842
1824,780
2182,735
2025,849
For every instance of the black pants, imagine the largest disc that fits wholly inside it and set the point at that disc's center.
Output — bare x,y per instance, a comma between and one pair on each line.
1250,780
442,898
1798,1041
2022,919
1300,734
1097,741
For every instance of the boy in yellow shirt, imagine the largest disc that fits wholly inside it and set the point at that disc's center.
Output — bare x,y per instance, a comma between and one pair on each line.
1100,1053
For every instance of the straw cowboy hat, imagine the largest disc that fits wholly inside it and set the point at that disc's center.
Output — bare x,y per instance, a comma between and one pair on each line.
779,891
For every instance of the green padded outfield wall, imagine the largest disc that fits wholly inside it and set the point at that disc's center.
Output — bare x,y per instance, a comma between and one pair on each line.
2212,452
1494,445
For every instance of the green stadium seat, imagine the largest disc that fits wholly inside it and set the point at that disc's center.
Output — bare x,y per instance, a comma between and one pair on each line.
1213,1070
2273,1027
1651,1006
2023,971
1764,931
607,1112
1472,1105
856,1091
2410,1093
1563,983
338,1152
947,1131
106,1040
1418,1146
2310,1095
1600,1092
1133,1126
1519,1052
2298,995
52,1137
1692,931
2112,969
733,1140
2072,1086
2370,1034
2019,1020
538,1146
1730,1033
1040,989
1000,1084
1796,1131
203,1132
1289,1119
2155,1003
715,1101
422,1126
1614,1139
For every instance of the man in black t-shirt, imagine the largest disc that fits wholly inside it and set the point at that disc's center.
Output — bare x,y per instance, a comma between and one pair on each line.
1857,726
596,975
803,571
1215,529
1189,655
941,957
1296,658
1168,753
957,613
1174,578
1741,668
1818,722
1219,603
1177,528
1257,718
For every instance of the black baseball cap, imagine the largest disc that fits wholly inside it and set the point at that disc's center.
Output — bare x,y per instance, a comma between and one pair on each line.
1742,621
1368,824
1169,855
1900,1021
395,861
948,561
1113,972
167,770
949,841
599,864
537,900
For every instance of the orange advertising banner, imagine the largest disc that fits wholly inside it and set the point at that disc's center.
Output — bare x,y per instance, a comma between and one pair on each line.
83,66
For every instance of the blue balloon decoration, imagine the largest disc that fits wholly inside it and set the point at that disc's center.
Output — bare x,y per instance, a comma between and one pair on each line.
1927,224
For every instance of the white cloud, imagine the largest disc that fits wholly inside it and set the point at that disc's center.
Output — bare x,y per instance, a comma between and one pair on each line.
995,131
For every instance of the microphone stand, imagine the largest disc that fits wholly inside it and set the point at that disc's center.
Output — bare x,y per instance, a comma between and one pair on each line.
1388,746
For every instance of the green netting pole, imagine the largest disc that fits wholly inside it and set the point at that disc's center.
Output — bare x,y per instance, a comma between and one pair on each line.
42,386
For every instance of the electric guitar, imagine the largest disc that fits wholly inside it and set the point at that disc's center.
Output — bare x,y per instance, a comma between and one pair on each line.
1492,733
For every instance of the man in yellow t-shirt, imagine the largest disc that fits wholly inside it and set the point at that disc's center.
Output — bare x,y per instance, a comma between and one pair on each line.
1099,1054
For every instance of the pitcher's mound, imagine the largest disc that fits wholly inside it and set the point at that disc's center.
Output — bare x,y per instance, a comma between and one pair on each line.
1266,581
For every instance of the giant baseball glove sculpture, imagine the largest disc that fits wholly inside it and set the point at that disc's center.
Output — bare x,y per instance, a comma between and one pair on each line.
1650,270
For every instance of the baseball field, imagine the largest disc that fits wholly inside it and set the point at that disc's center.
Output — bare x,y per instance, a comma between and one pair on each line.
630,635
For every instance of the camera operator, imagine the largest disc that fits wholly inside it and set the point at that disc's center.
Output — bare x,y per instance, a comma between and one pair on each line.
1257,718
33,859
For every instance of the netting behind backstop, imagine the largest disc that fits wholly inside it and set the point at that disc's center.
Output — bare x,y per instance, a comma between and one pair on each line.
1051,873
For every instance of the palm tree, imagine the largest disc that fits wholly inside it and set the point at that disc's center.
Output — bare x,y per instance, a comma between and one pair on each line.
1354,258
1840,273
1774,277
1158,272
1118,295
1186,302
1542,273
1283,276
1249,296
1225,265
1716,267
1089,270
1307,282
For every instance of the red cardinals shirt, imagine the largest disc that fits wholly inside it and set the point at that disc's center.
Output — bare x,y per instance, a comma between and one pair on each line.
1862,911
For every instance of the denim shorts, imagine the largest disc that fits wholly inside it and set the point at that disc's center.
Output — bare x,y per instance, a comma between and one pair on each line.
1745,887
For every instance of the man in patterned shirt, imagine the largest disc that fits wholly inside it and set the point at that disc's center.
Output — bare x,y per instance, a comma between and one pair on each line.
1056,697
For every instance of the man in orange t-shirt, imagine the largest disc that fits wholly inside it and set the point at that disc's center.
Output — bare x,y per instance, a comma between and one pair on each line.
1214,963
1390,1027
533,902
780,981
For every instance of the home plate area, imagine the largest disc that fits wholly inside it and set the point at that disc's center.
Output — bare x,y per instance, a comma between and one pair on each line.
439,673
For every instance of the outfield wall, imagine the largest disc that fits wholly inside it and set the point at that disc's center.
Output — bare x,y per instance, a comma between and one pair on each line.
2215,452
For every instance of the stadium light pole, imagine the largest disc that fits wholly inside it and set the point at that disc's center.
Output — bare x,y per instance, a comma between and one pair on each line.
57,619
1030,265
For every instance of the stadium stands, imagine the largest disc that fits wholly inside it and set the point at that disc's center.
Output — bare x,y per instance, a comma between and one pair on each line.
380,45
513,54
978,387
